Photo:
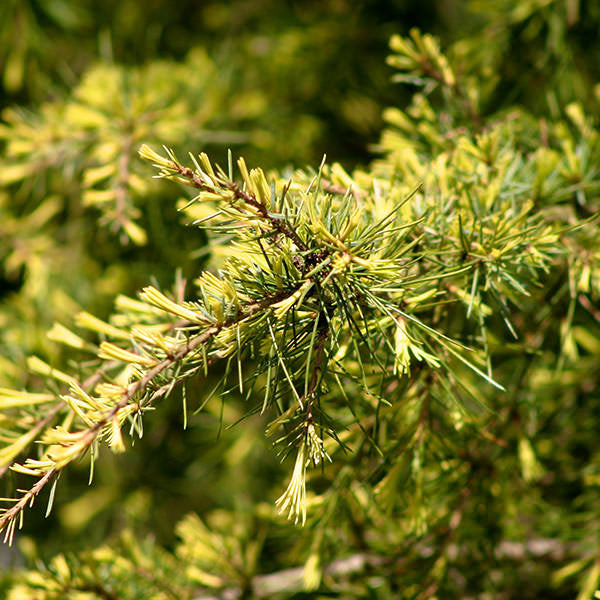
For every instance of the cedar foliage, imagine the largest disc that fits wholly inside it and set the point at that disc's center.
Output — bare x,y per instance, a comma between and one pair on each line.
398,361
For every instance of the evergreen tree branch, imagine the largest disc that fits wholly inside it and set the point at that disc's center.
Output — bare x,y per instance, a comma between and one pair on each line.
8,518
76,444
217,182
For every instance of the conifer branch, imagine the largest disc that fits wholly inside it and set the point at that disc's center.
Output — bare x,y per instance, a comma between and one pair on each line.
424,330
82,440
8,518
214,182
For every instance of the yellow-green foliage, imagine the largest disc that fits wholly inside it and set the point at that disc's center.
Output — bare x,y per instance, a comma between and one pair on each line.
417,339
87,145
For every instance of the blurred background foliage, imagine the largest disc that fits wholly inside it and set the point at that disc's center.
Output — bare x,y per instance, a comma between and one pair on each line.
83,84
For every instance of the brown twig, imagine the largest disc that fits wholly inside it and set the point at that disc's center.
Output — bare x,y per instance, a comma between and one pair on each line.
8,518
317,370
277,225
585,302
122,182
